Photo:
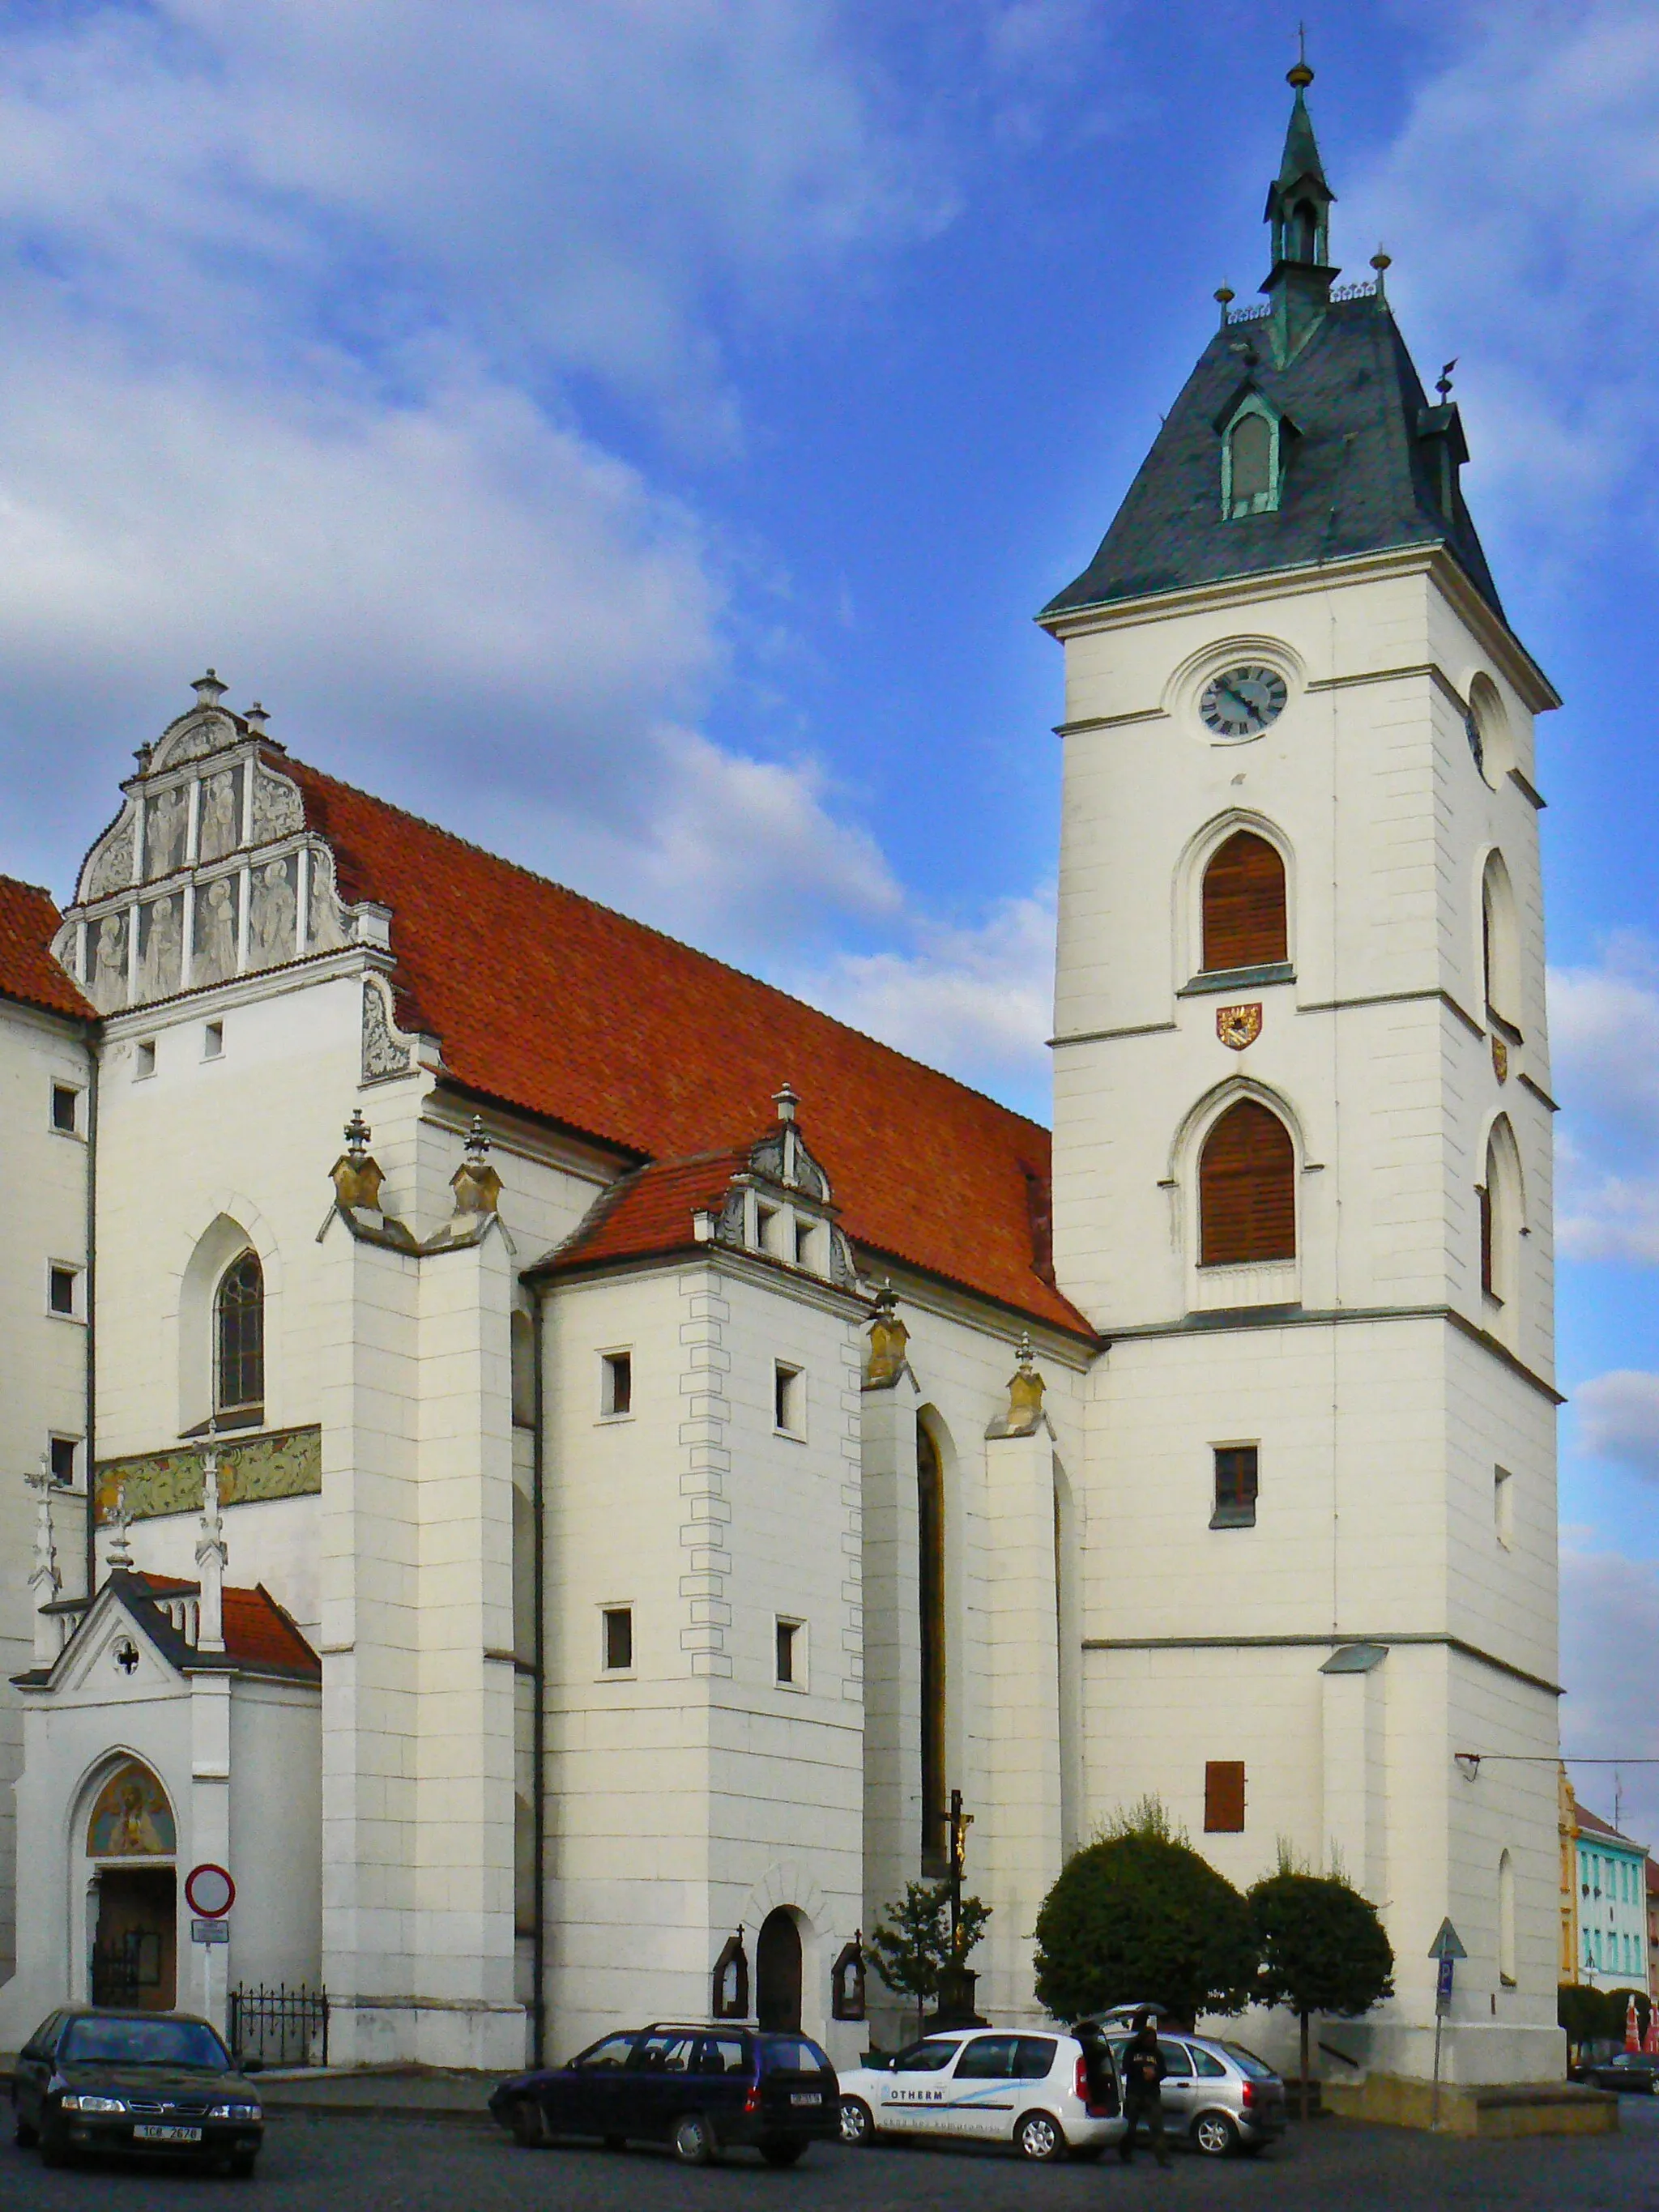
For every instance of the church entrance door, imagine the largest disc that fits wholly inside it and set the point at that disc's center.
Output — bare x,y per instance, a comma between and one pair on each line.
777,1972
134,1953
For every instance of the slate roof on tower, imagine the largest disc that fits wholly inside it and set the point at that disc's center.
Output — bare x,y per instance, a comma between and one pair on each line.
1361,478
546,1001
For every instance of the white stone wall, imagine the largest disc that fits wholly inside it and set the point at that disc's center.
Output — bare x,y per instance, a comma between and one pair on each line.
42,1358
1383,1415
695,1792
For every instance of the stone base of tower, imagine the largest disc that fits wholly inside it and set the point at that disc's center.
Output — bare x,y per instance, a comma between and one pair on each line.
1474,2054
1495,2111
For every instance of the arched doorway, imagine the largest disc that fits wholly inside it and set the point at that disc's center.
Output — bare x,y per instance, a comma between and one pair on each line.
131,1841
777,1972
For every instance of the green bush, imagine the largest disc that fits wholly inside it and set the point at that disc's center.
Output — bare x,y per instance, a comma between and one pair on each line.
1139,1914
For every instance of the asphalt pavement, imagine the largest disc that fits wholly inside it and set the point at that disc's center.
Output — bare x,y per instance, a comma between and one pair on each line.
313,2163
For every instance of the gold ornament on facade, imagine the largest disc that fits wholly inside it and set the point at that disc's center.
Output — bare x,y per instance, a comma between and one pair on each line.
357,1173
1500,1060
889,1340
1238,1026
477,1185
1024,1416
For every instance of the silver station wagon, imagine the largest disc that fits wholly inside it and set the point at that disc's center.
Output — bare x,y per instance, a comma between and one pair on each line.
1218,2096
1043,2093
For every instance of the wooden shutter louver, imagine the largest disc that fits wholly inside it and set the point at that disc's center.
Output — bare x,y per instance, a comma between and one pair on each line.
1244,922
1247,1189
1223,1797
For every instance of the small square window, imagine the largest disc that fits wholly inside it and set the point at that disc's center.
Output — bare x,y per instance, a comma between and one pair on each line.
62,1450
616,1385
1502,1505
213,1041
65,1109
618,1624
770,1223
1223,1797
788,1399
1236,1483
60,1292
791,1654
144,1059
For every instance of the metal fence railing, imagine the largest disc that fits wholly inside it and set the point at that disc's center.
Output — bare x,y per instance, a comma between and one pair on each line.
280,2026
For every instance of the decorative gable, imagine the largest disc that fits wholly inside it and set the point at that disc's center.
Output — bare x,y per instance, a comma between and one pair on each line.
207,873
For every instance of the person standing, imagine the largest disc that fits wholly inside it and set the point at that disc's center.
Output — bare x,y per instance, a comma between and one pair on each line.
1143,2098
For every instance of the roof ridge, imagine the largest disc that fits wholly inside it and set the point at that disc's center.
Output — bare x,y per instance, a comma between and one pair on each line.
650,929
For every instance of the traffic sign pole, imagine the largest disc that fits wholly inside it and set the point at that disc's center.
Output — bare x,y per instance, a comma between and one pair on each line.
1448,1950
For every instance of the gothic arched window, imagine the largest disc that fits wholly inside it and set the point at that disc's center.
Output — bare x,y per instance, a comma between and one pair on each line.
1244,918
238,1314
1252,473
930,1561
1247,1189
1302,233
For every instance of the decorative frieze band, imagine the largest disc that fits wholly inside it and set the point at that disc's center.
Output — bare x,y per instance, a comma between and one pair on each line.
278,1463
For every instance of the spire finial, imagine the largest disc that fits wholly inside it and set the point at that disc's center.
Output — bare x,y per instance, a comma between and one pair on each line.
1444,385
208,688
1301,77
120,1552
357,1135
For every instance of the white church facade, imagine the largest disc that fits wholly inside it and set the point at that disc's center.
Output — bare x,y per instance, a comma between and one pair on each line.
588,1516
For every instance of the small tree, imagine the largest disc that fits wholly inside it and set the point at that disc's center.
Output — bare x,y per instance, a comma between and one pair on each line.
1323,1948
915,1946
1137,1915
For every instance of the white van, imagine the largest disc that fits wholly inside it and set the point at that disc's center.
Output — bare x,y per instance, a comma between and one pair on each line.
1042,2091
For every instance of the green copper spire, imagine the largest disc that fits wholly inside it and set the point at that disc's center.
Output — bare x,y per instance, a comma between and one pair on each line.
1298,210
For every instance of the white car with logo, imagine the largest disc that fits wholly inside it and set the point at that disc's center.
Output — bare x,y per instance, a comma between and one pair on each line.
1038,2089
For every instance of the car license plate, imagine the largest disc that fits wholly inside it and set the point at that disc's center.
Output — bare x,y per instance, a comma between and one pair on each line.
166,2135
805,2097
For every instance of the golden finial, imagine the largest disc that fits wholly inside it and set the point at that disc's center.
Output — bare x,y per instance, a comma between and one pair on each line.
1301,77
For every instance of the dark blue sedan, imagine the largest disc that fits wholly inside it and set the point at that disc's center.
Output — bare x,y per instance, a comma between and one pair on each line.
701,2089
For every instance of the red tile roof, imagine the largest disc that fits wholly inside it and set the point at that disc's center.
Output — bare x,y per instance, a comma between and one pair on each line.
1594,1825
29,922
258,1632
546,1001
650,1210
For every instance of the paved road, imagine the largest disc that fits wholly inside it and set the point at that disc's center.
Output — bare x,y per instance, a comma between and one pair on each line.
351,2166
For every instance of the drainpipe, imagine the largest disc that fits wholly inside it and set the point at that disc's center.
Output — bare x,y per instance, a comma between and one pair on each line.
90,1448
539,1711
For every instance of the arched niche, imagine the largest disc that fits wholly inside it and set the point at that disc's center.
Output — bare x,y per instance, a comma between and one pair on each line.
1500,942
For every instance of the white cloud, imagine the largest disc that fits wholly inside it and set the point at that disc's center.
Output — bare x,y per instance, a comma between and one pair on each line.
1619,1420
977,1001
1526,172
1604,1027
1609,1613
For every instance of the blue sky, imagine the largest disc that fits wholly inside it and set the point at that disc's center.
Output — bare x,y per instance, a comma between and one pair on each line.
637,433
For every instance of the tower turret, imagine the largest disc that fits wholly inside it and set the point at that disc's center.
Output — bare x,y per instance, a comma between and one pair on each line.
1299,202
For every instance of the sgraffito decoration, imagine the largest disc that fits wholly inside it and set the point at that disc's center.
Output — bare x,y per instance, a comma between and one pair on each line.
288,1463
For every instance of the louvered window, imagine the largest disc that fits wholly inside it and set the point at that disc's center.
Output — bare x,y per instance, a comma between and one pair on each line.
1223,1797
1247,1189
1244,905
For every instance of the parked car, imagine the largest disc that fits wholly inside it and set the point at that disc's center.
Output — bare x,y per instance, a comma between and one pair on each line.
1046,2094
1631,2070
1218,2096
90,2080
702,2089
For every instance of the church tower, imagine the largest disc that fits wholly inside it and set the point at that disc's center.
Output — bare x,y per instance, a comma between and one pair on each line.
1303,1153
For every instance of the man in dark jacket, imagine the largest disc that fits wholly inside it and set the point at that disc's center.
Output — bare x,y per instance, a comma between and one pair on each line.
1143,2075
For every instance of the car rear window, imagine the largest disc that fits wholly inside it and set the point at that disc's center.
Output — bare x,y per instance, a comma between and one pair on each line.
1247,2062
143,2042
792,2054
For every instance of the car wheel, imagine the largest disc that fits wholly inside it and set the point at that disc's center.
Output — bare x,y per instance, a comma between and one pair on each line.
694,2140
858,2126
241,2165
54,2151
529,2128
783,2154
22,2134
1041,2138
1214,2134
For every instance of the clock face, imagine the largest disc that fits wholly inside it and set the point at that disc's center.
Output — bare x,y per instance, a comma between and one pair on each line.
1242,701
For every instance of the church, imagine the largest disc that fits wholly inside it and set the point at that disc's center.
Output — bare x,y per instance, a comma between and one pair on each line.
553,1461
